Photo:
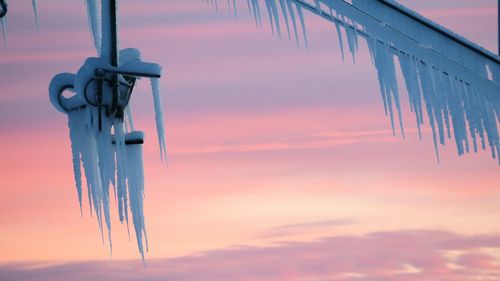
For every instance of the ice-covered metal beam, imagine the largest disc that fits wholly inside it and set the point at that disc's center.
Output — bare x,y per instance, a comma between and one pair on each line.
400,9
453,81
416,29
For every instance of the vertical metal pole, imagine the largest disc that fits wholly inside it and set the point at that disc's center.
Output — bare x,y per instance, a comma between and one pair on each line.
114,57
109,52
113,39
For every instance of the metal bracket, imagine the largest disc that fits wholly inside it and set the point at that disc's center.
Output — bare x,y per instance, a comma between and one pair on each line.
60,96
118,102
132,141
120,98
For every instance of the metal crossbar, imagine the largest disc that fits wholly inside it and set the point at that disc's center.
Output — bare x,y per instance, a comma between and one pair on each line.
470,59
443,31
399,9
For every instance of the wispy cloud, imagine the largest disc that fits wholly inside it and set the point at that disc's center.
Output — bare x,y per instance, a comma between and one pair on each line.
320,140
298,228
390,256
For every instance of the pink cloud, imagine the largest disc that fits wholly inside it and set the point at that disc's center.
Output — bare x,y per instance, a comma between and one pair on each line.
329,139
290,229
391,256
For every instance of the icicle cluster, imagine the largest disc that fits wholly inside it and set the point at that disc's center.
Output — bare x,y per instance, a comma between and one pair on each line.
3,21
460,102
106,146
290,10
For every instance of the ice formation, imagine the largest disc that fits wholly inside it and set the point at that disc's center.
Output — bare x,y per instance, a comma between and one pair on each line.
3,21
3,24
34,3
94,15
456,90
103,140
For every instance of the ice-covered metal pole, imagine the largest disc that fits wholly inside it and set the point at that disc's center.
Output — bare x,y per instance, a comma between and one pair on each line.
114,58
109,46
111,155
109,50
113,33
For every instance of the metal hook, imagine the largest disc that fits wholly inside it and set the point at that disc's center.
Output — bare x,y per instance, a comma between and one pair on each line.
60,97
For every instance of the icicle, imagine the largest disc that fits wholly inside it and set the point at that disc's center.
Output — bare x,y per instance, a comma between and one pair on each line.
249,7
294,21
160,128
472,121
274,15
489,120
413,88
285,16
437,106
302,24
351,39
457,113
94,18
76,148
130,118
35,11
90,163
121,173
384,63
3,23
256,12
318,6
270,14
428,93
135,179
341,42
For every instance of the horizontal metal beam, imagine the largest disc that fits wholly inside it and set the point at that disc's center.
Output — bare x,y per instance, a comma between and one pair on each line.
440,29
136,74
443,49
398,8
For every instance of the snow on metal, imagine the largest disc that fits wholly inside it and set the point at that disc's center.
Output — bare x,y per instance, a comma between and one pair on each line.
103,140
450,81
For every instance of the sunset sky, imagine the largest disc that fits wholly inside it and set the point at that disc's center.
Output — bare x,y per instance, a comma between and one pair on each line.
282,164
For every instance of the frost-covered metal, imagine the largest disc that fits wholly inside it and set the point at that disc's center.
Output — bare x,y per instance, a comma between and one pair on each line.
103,140
451,82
